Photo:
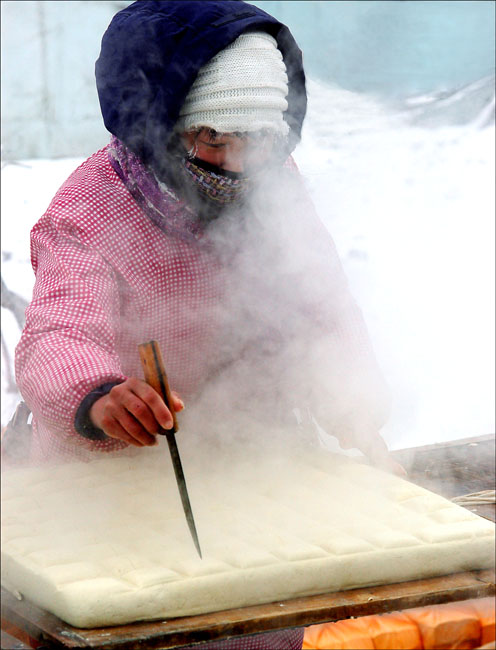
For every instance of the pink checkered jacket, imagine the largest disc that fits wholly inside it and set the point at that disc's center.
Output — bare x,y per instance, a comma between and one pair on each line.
107,279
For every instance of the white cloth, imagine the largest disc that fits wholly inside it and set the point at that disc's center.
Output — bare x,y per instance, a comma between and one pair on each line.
242,88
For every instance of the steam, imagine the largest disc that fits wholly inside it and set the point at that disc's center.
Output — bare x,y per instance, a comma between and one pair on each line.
289,346
290,340
439,178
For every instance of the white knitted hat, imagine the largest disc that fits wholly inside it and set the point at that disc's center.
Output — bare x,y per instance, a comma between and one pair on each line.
242,88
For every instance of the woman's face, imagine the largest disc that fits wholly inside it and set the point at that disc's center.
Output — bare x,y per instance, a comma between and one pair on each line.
234,152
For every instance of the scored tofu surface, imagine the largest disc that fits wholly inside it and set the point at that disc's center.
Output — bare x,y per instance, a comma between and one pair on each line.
106,542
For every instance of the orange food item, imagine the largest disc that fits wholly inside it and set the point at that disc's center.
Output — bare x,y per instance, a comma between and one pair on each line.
465,624
348,634
485,609
394,630
455,626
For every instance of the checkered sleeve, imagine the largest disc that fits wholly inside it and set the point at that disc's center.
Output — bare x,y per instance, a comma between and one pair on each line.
67,348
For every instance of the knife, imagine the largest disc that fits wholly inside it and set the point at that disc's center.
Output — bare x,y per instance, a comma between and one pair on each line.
153,368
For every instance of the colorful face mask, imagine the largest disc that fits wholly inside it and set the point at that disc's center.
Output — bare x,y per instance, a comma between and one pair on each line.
215,185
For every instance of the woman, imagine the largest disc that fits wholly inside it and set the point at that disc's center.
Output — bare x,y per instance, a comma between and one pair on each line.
199,97
205,102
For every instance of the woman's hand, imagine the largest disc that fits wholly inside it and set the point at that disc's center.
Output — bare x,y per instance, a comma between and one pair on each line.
372,445
133,412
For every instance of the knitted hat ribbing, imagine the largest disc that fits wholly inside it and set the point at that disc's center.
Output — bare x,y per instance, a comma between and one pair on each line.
242,88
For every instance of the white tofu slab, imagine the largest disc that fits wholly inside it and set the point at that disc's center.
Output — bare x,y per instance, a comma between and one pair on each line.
106,542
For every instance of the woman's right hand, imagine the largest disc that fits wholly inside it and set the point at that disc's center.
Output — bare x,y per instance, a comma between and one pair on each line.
133,412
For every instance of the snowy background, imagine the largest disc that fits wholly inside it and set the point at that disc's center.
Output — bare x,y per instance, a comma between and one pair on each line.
405,185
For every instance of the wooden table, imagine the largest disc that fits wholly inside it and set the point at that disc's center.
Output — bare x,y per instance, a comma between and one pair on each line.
174,633
449,469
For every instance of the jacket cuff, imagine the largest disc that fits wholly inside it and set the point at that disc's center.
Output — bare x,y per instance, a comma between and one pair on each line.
82,423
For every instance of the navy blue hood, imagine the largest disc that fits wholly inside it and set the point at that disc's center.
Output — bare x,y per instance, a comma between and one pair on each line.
151,54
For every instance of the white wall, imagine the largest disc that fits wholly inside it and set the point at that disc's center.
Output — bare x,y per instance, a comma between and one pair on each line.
392,47
49,100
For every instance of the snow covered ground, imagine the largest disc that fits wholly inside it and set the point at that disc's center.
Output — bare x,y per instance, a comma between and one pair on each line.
408,194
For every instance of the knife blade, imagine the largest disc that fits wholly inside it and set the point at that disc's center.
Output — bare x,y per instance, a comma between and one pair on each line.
155,376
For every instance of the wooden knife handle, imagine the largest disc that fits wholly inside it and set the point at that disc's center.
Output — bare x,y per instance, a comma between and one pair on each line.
153,367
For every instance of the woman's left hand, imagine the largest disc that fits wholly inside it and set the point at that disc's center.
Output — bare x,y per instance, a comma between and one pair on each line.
373,446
